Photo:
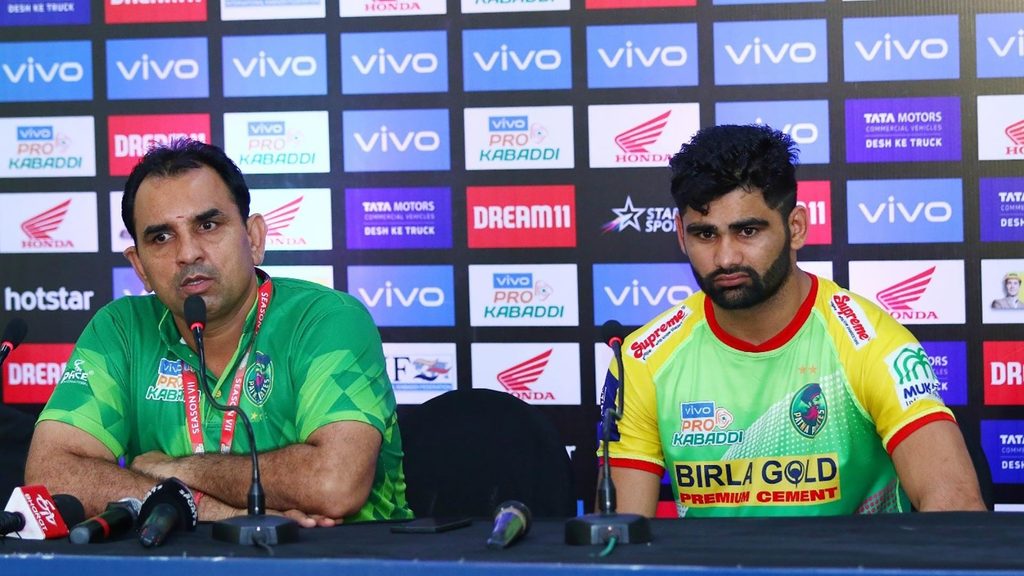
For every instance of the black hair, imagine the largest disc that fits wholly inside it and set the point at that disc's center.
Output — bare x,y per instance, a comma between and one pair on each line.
178,157
720,159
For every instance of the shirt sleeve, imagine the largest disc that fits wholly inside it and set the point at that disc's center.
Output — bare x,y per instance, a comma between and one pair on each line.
340,367
90,396
639,444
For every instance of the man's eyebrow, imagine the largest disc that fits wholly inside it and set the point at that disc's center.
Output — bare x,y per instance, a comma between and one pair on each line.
748,223
155,229
698,227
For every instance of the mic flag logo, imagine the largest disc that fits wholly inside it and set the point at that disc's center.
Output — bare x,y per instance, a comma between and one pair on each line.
901,295
39,227
281,217
519,377
637,139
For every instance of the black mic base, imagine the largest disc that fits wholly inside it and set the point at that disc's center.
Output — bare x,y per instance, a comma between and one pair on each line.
600,528
253,530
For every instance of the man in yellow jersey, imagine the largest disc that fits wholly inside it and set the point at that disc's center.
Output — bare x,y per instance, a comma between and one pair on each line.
772,392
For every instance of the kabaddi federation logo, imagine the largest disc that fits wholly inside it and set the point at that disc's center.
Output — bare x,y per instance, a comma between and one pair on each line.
809,411
259,379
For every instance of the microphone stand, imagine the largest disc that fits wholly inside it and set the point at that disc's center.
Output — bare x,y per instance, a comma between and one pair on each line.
603,526
256,527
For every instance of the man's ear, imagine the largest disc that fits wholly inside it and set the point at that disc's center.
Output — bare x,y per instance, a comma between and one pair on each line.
256,229
680,233
798,222
132,254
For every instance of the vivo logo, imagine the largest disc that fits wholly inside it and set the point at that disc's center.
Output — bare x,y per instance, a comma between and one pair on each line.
630,56
507,59
265,128
1013,44
932,211
641,295
385,140
262,65
929,49
30,70
508,123
758,51
35,132
184,69
383,62
800,132
697,409
428,297
522,280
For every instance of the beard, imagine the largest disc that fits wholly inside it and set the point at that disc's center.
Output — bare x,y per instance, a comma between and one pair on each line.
759,290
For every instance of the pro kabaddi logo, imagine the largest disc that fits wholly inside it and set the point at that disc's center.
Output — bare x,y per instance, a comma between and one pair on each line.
259,379
809,411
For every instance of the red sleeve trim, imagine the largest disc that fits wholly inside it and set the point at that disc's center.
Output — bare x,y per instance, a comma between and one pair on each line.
915,426
635,465
773,343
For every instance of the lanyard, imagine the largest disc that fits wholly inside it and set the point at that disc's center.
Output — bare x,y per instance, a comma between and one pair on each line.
193,412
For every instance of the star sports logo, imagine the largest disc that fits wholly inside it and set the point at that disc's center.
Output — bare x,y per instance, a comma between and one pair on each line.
280,218
519,377
39,227
897,299
626,217
1015,132
638,138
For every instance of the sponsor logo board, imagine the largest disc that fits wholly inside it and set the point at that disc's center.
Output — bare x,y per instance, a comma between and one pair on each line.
523,295
905,211
537,373
913,291
903,130
398,218
421,371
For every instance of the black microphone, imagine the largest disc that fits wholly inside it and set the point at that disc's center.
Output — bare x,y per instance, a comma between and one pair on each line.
256,527
606,524
168,506
119,518
14,334
33,514
512,520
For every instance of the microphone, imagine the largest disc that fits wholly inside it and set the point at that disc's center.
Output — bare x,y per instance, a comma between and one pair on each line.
168,506
14,334
606,524
255,527
512,521
117,519
32,514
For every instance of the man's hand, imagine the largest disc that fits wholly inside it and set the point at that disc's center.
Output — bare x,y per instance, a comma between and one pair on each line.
308,520
155,464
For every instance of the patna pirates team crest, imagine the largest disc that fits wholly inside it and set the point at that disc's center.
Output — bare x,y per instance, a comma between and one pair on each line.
259,379
808,412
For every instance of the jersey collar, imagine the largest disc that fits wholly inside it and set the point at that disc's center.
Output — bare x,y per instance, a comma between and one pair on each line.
773,343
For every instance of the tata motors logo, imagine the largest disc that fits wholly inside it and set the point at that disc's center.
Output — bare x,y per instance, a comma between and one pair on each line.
1003,443
771,52
610,4
519,138
805,121
394,62
913,291
278,142
285,65
642,55
521,216
130,137
537,373
32,13
55,146
644,219
523,295
272,9
634,294
1004,373
297,218
480,6
903,130
45,71
405,295
157,68
516,59
816,197
1002,209
32,371
905,211
903,48
1000,130
1000,45
398,218
396,140
419,372
352,8
139,11
49,222
639,135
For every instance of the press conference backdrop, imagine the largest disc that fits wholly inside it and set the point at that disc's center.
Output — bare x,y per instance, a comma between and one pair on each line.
489,176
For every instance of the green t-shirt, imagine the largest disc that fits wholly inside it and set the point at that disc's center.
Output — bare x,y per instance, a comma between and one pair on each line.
317,359
802,424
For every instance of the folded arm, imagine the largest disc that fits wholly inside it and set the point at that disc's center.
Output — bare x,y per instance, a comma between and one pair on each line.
935,469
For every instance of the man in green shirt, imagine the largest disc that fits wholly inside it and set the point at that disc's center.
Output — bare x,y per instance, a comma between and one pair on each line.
303,361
